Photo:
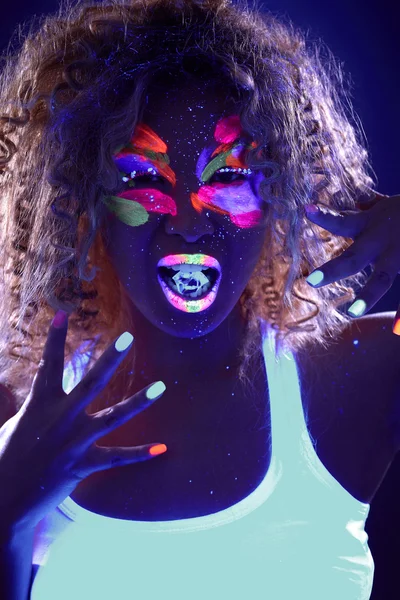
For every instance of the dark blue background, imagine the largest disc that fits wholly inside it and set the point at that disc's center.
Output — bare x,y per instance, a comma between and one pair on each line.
365,38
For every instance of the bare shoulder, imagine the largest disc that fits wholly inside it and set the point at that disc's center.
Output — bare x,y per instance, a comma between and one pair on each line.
368,342
380,354
375,333
382,321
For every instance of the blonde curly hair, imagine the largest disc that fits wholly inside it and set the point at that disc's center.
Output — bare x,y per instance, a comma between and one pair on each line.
74,92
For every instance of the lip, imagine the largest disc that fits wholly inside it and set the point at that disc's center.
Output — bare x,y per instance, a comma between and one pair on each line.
190,305
190,259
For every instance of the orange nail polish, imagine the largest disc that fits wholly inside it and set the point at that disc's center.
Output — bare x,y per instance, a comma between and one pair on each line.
396,327
157,449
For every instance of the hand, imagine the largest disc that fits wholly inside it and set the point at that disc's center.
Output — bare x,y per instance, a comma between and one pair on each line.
47,447
376,235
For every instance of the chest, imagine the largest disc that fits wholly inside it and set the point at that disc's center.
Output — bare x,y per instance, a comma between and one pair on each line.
215,461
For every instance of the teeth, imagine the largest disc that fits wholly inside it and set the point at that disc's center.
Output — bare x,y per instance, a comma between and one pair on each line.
182,280
189,294
188,268
190,280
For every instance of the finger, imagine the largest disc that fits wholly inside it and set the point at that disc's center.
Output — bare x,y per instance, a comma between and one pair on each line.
99,375
378,284
51,366
108,458
113,417
369,198
357,257
110,418
345,223
396,322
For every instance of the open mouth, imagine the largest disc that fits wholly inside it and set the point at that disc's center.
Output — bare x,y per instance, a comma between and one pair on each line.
195,285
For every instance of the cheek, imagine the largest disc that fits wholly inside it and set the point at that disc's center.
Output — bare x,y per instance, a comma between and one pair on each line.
254,245
134,206
121,242
238,202
109,233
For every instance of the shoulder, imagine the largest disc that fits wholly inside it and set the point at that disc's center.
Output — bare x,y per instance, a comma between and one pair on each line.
366,342
381,347
379,355
375,333
376,322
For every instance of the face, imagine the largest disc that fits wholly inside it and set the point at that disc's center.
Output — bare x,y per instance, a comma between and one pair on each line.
187,230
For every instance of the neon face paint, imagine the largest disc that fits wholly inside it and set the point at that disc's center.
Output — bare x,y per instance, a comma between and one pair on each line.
235,199
146,144
133,206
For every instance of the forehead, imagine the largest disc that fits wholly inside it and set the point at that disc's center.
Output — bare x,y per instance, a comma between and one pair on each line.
188,114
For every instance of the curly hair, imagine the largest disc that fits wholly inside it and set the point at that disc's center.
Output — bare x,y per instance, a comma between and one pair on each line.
75,90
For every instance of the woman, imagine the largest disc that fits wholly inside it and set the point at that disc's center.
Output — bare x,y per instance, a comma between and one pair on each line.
177,145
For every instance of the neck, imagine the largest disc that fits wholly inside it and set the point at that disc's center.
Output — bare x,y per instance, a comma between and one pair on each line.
174,359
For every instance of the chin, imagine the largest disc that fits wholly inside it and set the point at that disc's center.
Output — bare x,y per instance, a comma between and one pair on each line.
189,325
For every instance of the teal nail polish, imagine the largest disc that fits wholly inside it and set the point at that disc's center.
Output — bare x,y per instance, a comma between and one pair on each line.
357,308
315,278
124,340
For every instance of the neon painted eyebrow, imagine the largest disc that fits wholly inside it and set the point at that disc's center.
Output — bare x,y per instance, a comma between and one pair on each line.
228,133
152,150
146,143
210,160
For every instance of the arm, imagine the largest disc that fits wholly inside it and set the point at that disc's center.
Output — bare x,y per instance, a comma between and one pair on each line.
15,550
16,566
8,404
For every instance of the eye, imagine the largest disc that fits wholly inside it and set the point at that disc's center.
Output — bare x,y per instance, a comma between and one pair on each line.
146,178
142,177
230,174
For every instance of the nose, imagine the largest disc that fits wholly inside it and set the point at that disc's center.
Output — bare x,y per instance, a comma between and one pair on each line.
188,222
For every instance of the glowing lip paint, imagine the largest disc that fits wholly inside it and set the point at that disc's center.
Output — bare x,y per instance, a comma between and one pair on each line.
191,259
190,304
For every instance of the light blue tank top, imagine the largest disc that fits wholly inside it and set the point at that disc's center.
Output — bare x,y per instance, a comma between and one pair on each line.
299,534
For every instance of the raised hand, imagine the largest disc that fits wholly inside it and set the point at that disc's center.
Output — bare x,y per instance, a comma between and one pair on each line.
376,235
48,446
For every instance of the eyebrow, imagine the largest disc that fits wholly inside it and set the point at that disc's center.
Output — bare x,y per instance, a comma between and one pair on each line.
210,156
227,133
208,162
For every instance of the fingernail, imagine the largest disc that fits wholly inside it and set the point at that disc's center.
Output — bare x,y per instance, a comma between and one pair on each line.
155,390
60,319
396,326
315,278
311,208
357,308
157,449
124,340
